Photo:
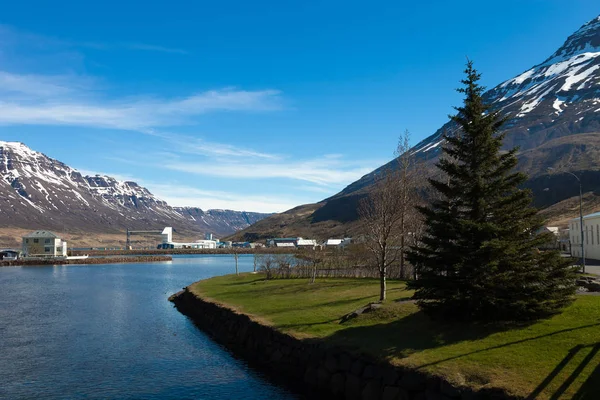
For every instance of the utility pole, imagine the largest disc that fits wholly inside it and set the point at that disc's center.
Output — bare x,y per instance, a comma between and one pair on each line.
581,224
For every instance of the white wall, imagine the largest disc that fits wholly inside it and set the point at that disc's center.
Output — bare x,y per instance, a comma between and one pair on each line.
591,234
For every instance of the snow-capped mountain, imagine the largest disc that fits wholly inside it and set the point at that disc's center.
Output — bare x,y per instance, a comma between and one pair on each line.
557,98
554,118
37,191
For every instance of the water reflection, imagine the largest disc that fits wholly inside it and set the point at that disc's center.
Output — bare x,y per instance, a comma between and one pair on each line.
108,331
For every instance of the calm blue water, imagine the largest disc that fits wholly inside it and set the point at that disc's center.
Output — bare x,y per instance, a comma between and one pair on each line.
108,331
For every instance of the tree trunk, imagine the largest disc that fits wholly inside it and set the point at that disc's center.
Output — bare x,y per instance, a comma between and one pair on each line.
314,274
402,256
383,284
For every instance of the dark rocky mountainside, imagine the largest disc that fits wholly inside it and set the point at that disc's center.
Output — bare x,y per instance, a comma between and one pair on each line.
554,118
37,191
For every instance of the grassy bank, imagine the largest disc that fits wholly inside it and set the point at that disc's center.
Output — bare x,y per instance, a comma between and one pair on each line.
554,358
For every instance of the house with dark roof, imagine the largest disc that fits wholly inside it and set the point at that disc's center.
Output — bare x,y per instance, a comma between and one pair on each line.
44,244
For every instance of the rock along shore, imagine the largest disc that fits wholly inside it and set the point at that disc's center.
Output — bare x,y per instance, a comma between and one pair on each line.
98,260
313,368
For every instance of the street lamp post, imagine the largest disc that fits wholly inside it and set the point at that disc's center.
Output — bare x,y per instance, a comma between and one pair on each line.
581,223
580,219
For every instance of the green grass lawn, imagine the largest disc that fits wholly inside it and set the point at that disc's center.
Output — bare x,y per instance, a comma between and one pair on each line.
554,358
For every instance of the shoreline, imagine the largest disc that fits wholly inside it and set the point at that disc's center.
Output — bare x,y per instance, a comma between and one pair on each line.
177,251
312,367
88,261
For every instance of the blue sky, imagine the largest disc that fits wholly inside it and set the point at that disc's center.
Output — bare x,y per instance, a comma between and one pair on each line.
257,106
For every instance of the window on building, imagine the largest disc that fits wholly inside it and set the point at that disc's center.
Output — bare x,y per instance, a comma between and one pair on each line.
47,249
587,237
47,241
36,240
26,240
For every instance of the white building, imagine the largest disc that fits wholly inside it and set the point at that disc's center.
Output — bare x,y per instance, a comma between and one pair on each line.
167,235
333,242
591,236
306,243
199,244
284,244
44,244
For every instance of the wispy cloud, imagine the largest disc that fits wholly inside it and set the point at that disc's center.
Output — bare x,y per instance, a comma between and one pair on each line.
15,37
56,97
184,196
185,144
325,171
69,100
151,47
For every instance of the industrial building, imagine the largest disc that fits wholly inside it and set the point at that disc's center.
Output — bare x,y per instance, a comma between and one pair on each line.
591,236
199,244
306,243
282,242
44,244
168,243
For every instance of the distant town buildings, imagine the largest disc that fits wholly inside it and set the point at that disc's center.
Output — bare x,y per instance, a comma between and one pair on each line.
44,244
301,243
282,242
591,236
168,243
199,244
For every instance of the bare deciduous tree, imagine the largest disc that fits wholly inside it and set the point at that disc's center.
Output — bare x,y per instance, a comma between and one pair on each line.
266,264
388,212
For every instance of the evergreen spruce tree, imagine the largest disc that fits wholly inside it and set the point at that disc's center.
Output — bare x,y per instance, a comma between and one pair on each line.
479,258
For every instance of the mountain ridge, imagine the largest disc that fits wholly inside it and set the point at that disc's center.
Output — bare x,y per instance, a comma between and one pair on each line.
548,105
37,191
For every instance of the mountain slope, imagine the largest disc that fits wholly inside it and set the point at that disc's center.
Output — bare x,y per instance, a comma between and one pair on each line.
37,191
554,118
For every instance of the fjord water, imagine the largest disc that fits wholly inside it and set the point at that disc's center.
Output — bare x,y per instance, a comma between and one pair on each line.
108,331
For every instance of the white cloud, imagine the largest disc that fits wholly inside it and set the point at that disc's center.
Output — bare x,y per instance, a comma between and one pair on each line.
326,170
185,144
184,196
78,100
37,86
64,100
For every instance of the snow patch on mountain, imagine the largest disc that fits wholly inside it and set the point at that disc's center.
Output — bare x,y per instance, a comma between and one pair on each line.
568,79
38,191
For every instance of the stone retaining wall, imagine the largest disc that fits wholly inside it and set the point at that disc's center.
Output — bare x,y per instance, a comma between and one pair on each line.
312,367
